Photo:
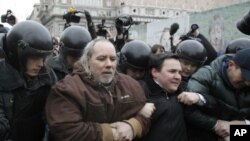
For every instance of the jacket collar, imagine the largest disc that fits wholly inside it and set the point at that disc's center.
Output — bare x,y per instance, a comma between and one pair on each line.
153,87
220,65
11,79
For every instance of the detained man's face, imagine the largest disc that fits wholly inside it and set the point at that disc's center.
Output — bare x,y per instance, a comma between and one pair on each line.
188,68
34,65
169,76
235,76
102,63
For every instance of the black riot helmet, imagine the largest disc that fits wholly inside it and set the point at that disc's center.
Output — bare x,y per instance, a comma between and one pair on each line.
135,54
27,39
193,51
244,24
73,40
237,44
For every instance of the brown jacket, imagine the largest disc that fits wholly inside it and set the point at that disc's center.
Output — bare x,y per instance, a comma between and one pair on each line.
79,109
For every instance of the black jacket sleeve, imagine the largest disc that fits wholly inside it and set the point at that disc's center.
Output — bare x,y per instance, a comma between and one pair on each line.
91,26
211,52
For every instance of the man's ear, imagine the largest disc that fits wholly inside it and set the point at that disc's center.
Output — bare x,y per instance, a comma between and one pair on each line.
231,63
154,72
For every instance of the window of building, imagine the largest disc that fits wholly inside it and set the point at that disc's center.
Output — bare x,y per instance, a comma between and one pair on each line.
109,13
150,11
108,3
64,1
92,3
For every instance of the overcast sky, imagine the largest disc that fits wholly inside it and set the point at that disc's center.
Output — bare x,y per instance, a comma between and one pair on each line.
20,8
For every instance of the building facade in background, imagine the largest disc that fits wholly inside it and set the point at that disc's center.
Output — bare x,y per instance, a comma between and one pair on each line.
49,12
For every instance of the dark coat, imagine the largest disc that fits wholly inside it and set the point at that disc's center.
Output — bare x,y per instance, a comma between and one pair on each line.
168,120
22,102
223,101
58,64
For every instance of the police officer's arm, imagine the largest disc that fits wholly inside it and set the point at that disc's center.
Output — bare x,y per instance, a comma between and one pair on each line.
91,26
211,52
120,40
200,83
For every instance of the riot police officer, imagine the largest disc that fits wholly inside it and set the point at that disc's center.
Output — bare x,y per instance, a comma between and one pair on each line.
237,44
72,42
192,56
25,82
133,59
194,34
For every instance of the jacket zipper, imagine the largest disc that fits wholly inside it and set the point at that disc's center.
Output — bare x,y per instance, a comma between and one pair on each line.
112,103
111,97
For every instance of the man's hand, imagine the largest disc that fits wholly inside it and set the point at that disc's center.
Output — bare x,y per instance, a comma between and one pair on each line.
222,128
188,98
147,110
122,131
237,122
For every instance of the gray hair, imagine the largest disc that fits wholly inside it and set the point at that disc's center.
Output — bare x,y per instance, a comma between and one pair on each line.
87,53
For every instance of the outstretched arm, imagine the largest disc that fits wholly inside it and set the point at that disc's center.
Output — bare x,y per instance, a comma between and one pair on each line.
91,26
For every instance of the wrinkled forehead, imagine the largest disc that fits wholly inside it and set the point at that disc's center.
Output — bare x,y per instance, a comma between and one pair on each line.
104,48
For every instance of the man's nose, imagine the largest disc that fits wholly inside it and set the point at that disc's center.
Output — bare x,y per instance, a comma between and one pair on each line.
109,62
177,76
189,67
40,63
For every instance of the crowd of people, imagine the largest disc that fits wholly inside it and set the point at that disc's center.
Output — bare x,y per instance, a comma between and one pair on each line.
81,87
